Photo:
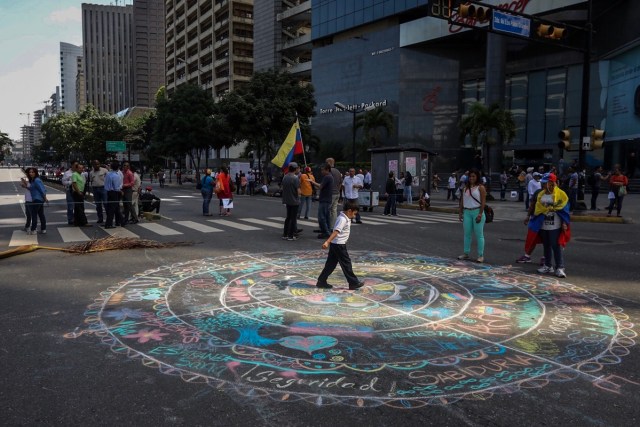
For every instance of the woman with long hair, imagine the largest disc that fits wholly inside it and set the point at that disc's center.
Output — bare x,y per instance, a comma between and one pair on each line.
471,213
618,186
38,198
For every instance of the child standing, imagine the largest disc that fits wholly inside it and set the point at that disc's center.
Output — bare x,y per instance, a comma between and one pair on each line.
423,201
337,244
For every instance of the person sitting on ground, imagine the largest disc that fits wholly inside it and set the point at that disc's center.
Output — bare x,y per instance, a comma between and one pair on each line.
424,201
150,201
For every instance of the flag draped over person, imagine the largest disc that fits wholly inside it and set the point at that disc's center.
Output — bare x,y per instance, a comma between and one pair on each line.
291,146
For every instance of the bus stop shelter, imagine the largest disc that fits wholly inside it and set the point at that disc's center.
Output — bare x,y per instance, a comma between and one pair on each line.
415,159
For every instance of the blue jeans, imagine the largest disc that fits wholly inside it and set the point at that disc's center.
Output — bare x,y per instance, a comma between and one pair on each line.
407,194
37,210
99,198
69,197
323,217
573,198
550,243
206,201
304,201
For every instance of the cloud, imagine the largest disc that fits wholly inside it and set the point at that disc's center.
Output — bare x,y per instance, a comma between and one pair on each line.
65,16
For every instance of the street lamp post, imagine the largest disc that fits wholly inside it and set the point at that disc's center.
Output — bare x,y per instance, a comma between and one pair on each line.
341,107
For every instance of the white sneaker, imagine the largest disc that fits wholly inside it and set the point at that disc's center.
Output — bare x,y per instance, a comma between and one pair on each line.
545,270
560,272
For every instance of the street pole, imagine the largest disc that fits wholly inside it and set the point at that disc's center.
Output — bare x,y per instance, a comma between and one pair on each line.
584,106
353,141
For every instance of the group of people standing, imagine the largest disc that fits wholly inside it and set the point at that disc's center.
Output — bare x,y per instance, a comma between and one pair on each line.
219,184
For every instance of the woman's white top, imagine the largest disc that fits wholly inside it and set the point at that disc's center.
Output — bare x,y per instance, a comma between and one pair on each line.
467,201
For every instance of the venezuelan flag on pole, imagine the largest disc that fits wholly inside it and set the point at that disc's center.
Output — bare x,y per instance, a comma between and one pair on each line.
292,145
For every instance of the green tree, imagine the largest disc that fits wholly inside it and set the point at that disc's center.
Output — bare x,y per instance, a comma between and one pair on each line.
266,107
373,123
482,122
183,123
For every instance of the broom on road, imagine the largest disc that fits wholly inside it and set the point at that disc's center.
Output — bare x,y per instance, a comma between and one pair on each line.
109,243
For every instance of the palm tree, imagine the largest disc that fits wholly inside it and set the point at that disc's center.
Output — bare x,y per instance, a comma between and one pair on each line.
481,121
372,122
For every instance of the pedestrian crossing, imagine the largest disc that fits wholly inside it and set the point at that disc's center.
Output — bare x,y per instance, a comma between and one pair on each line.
59,232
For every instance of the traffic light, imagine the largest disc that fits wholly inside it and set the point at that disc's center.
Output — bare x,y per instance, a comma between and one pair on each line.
551,32
469,10
597,138
565,139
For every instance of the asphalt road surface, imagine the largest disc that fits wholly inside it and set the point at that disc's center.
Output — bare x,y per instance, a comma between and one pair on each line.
231,330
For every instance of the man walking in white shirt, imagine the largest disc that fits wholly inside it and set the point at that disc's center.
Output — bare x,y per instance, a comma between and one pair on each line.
350,185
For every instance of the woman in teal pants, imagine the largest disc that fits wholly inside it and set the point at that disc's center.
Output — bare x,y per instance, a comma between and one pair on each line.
472,214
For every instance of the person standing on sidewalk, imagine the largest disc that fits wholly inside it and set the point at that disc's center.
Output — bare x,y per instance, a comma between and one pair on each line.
471,214
618,186
135,195
77,187
335,192
291,199
573,188
504,180
390,192
351,184
595,183
96,178
451,186
408,182
25,183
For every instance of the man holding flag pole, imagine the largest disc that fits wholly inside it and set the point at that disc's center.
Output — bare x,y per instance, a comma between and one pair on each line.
291,146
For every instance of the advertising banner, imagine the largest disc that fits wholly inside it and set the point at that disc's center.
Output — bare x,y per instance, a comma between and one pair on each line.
623,100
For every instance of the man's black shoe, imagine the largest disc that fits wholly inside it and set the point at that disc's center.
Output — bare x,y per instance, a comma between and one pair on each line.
323,236
324,286
317,231
299,230
358,222
356,286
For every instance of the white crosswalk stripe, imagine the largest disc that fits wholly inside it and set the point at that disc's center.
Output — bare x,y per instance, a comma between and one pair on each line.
198,227
232,224
121,232
72,234
20,238
262,222
160,229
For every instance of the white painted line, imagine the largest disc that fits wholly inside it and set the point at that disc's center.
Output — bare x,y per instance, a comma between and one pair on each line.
233,224
160,229
20,238
300,221
390,220
120,232
262,222
197,226
72,234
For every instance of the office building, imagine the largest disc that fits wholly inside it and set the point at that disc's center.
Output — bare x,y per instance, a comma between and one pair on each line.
426,71
149,50
282,33
70,55
108,43
81,88
209,43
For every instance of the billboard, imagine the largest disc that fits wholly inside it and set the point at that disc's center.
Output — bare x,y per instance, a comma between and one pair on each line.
623,97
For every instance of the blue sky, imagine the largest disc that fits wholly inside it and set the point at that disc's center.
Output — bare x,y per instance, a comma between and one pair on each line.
30,36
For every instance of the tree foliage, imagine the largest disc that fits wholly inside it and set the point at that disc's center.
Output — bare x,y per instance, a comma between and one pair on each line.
373,123
482,120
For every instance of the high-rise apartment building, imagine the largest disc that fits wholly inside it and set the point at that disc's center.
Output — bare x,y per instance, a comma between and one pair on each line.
149,50
209,43
70,54
282,33
108,42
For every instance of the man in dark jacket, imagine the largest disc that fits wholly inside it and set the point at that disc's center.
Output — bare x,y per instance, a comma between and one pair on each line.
390,192
291,199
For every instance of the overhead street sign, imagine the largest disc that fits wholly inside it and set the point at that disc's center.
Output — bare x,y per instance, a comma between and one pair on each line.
511,24
116,146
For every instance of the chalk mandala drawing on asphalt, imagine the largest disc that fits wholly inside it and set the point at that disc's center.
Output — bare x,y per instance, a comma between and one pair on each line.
423,331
